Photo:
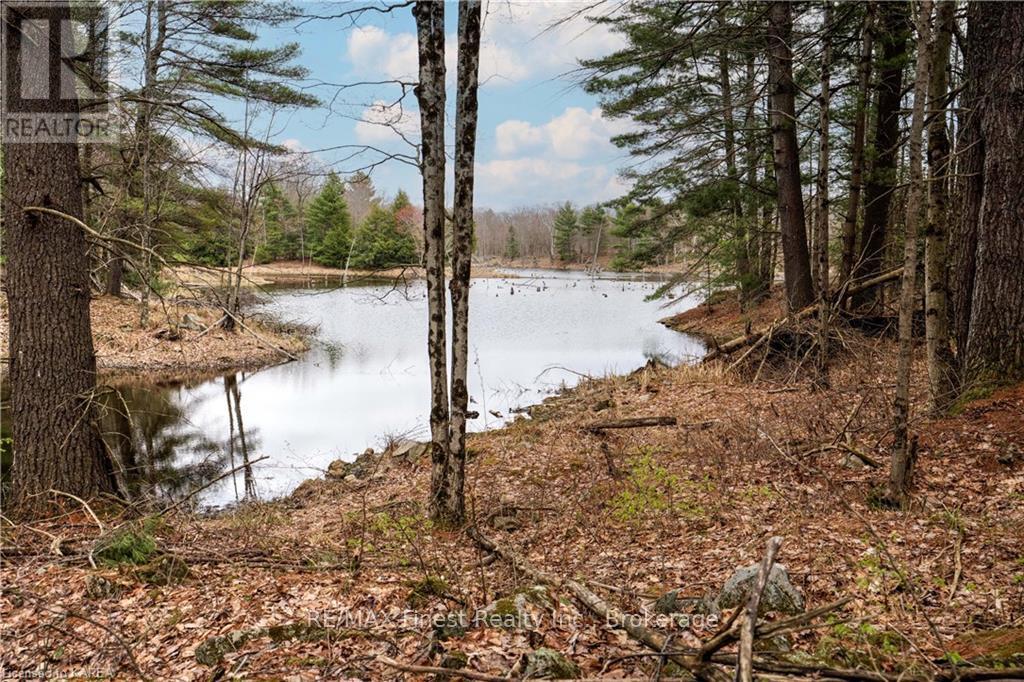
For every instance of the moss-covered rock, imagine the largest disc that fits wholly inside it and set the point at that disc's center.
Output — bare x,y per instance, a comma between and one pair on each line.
423,590
548,664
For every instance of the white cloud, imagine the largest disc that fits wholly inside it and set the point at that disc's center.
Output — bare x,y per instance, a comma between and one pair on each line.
512,137
504,183
574,134
374,50
520,40
382,122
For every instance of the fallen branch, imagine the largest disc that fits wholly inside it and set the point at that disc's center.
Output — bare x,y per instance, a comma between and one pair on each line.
631,423
802,314
432,670
206,485
745,665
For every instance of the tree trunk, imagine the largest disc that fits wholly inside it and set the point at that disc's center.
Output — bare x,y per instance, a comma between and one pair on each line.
758,286
795,259
822,206
431,96
903,453
995,332
881,180
857,149
941,373
53,367
452,509
732,172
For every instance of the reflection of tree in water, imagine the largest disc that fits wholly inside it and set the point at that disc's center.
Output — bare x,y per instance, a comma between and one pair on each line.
161,452
238,443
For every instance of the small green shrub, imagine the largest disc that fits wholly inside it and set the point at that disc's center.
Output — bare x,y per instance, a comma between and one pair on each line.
133,544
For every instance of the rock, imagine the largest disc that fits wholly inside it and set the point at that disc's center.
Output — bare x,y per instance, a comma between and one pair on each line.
361,466
548,664
338,469
409,449
671,602
212,651
779,593
851,461
190,321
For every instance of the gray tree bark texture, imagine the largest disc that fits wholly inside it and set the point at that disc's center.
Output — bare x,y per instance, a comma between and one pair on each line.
453,510
53,366
941,370
893,33
902,459
431,97
795,258
857,148
821,214
990,305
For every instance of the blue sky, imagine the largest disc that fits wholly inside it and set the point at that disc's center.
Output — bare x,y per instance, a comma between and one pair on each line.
541,139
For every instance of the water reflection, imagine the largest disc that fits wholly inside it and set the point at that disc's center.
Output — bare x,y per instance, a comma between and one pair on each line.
366,378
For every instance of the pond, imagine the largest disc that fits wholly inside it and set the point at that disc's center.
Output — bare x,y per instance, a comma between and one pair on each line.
366,378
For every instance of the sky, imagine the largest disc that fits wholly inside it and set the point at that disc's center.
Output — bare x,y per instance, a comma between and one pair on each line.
541,139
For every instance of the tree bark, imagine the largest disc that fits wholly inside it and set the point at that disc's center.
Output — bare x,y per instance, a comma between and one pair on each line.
732,172
452,509
821,231
796,260
53,366
941,372
431,96
857,148
881,180
994,349
903,453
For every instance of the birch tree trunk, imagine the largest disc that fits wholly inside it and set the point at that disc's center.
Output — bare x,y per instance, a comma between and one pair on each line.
857,149
941,372
451,509
796,260
901,472
431,97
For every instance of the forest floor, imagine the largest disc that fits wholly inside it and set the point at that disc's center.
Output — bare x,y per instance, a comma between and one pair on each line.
319,585
180,339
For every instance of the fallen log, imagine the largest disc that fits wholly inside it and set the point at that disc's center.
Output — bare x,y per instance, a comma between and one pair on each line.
631,423
802,314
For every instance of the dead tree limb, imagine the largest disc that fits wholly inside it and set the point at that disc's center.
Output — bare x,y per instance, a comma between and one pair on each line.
745,665
802,314
631,423
443,673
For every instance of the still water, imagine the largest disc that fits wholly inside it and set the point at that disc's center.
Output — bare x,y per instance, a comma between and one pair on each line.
366,377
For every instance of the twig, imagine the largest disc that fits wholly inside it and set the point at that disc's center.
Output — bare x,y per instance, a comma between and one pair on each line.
84,504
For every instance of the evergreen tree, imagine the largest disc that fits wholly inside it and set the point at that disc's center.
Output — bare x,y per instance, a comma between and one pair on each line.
566,225
512,249
381,243
278,212
329,225
400,202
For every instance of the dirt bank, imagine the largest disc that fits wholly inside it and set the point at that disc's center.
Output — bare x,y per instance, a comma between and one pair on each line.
180,339
318,585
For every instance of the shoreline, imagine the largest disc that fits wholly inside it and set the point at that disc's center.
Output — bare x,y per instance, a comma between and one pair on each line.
630,513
